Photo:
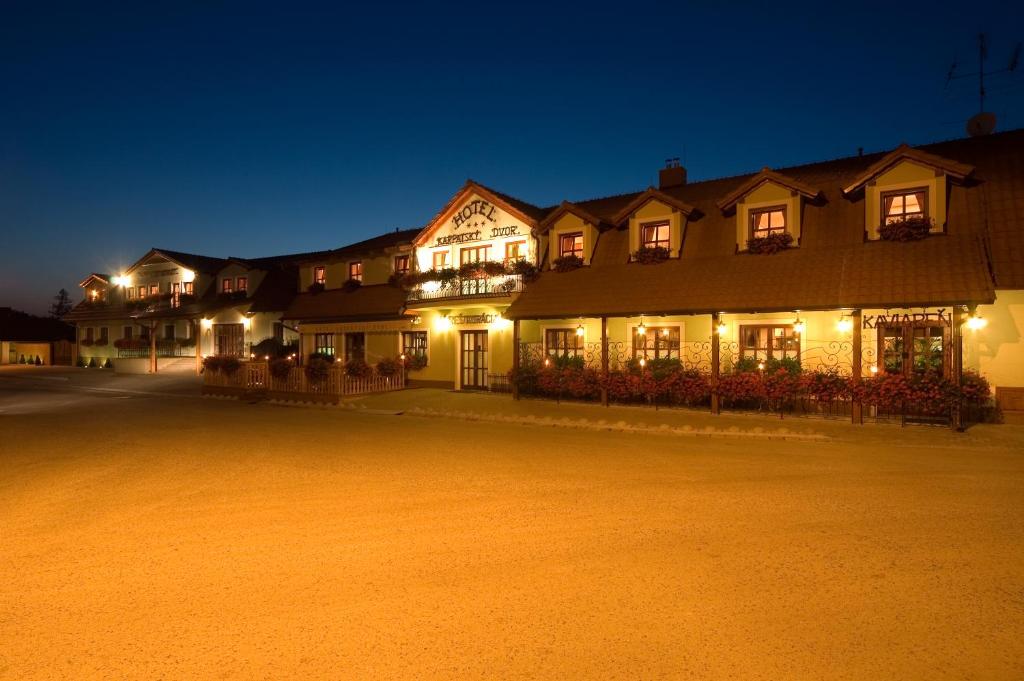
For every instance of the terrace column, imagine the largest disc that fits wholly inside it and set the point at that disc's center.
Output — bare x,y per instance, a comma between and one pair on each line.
604,360
956,369
716,362
856,368
152,348
196,331
515,359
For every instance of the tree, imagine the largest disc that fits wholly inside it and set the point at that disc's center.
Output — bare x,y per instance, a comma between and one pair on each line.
61,304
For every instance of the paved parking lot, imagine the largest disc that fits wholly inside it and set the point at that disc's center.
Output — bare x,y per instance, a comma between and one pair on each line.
149,533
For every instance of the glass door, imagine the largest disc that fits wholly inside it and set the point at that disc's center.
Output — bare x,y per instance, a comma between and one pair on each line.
474,360
909,348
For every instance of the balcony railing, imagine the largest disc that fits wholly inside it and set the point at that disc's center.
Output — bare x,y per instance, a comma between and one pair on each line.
469,287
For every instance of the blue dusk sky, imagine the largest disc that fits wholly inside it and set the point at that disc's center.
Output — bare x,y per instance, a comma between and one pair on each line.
253,129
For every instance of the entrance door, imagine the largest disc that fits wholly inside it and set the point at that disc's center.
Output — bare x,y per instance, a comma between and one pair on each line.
910,348
474,360
229,339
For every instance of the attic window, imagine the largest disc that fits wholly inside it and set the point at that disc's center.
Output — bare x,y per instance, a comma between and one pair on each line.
654,235
319,274
901,205
570,244
767,221
226,285
242,284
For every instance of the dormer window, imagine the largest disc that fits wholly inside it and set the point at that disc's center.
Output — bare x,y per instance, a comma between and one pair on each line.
320,275
189,290
904,204
655,235
242,284
226,285
570,245
767,221
355,270
401,264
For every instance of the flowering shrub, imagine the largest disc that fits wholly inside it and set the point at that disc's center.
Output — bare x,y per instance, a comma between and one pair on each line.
910,229
225,364
742,389
524,268
318,368
651,255
974,389
86,342
351,285
357,368
316,287
773,243
825,386
389,367
415,362
280,368
101,341
567,263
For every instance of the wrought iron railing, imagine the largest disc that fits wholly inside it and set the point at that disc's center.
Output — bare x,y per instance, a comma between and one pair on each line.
469,287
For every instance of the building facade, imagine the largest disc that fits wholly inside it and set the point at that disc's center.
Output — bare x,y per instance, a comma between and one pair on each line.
900,261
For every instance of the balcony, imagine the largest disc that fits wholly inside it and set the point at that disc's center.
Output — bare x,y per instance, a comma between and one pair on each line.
502,286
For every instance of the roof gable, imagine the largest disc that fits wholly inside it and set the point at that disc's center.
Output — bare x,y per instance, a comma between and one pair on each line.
645,197
767,175
905,152
567,208
522,211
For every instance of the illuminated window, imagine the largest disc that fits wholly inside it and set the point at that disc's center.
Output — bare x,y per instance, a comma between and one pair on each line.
563,343
142,292
767,221
323,343
657,342
226,285
355,270
898,206
188,288
401,264
654,235
515,250
414,343
769,341
440,260
320,275
474,254
154,289
242,284
570,244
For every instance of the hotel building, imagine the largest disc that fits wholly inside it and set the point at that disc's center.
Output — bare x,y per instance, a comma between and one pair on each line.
896,261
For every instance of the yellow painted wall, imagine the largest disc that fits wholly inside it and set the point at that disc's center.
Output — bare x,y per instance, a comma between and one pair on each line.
377,268
768,194
501,221
905,175
998,349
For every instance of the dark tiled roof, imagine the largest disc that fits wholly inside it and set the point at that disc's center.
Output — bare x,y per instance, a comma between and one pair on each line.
833,266
276,291
367,247
193,261
370,302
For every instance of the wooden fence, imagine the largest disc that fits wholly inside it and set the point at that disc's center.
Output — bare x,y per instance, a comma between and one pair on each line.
255,378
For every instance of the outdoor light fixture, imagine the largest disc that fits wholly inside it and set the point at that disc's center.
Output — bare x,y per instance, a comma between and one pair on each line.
252,355
760,366
246,322
643,362
798,324
722,329
664,332
874,370
547,362
976,322
402,357
844,325
579,330
443,323
207,323
121,280
641,330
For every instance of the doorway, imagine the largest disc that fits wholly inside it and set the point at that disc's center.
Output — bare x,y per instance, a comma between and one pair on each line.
913,348
474,360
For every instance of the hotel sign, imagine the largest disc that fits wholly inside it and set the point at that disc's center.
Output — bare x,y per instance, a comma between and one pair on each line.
476,220
872,321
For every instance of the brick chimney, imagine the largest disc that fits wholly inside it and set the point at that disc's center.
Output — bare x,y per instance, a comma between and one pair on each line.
672,175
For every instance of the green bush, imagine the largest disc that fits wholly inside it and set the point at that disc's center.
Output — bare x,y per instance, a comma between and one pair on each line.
108,364
92,363
357,368
389,367
318,368
280,367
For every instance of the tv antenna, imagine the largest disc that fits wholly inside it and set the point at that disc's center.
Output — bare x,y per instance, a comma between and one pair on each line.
983,122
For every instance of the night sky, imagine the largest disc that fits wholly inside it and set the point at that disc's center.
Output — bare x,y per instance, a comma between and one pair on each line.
255,130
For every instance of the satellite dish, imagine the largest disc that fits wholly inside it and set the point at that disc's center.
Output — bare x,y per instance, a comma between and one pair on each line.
980,124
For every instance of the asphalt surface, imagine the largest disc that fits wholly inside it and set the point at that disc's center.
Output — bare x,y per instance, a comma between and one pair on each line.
148,533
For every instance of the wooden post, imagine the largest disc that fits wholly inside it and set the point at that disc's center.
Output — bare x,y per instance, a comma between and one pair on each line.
152,348
856,408
516,359
956,421
604,360
197,330
716,351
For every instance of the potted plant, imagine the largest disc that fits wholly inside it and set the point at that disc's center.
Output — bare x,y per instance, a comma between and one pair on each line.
351,285
910,229
388,367
526,269
773,243
316,287
651,255
567,263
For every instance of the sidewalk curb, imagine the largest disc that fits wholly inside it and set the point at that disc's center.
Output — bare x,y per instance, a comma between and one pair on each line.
757,433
